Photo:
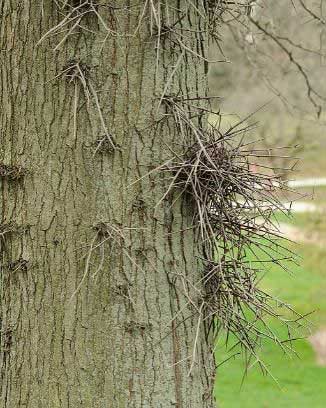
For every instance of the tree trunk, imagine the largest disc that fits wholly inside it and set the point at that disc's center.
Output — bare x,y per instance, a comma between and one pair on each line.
94,268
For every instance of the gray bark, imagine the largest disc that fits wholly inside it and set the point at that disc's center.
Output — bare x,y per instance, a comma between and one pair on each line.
90,265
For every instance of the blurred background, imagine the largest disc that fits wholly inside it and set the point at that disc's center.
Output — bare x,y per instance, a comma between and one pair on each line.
275,82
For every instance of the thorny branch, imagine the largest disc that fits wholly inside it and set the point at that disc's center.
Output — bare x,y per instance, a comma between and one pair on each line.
78,73
234,214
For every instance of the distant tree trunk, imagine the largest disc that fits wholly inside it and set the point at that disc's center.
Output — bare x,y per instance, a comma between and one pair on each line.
93,309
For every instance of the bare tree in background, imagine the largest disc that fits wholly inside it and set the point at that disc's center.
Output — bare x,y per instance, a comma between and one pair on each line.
281,49
125,218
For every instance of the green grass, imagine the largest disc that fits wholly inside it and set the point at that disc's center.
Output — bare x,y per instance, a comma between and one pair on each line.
301,381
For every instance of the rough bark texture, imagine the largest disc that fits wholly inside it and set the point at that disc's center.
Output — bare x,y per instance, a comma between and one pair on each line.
90,266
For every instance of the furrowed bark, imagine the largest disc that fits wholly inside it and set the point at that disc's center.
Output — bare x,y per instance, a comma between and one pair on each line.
93,306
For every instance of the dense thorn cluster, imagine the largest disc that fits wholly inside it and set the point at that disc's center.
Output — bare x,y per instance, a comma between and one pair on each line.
234,208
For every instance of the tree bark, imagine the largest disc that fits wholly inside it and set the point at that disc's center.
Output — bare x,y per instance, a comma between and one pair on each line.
94,311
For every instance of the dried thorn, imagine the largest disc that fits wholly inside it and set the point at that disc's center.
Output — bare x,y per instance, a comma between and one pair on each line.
106,145
18,265
12,172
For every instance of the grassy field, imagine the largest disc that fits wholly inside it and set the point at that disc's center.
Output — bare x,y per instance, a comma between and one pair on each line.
300,381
